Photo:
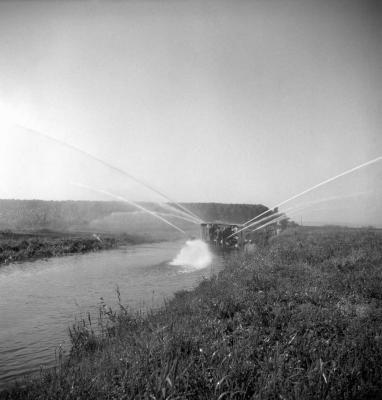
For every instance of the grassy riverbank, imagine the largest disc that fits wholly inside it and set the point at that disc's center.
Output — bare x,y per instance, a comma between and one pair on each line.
24,246
300,319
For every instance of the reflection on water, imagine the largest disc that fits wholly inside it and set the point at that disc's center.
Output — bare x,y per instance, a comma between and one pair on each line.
39,300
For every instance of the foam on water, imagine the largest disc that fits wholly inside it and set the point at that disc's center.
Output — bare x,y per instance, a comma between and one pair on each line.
194,255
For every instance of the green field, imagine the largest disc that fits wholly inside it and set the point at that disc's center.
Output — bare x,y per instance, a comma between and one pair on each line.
301,318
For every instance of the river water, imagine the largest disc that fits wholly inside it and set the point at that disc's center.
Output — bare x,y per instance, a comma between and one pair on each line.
39,300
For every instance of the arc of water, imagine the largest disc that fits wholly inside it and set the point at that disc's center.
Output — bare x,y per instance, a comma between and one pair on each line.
178,216
300,207
190,213
270,222
168,206
172,209
282,216
331,198
105,163
286,213
273,215
175,212
356,168
115,196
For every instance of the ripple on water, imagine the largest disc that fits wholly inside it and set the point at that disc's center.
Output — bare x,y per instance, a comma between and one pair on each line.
41,299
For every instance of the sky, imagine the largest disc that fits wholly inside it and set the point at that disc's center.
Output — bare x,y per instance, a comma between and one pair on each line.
212,101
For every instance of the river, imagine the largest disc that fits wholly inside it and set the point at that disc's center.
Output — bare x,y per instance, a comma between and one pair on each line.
39,300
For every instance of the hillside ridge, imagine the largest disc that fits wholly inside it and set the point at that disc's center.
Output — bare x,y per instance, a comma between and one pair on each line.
73,214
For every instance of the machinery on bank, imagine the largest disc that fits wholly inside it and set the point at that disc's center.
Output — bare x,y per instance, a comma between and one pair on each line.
222,235
231,236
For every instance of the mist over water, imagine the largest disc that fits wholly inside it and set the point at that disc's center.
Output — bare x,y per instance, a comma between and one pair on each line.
194,255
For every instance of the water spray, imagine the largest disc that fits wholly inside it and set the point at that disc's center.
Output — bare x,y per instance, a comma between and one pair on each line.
271,222
178,216
105,163
300,207
326,199
292,210
194,255
249,223
282,216
172,209
186,209
154,214
275,214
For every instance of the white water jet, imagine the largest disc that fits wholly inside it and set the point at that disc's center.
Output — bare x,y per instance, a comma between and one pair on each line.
194,255
298,208
179,217
175,205
171,208
154,214
250,222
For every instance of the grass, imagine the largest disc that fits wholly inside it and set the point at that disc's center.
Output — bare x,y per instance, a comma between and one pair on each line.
299,319
45,244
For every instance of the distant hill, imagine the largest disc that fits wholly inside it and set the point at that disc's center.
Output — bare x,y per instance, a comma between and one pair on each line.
40,214
110,216
230,213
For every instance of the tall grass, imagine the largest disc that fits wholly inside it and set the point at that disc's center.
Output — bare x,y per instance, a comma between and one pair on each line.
299,319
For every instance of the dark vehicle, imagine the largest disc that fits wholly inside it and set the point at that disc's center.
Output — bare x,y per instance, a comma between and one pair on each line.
222,235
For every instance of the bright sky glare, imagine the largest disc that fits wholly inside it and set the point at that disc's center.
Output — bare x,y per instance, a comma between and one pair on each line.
241,101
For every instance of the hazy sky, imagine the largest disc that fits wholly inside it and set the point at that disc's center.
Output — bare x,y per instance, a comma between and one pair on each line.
242,101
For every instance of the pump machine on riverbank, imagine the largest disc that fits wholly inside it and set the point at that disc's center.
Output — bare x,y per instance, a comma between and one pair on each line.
231,236
222,235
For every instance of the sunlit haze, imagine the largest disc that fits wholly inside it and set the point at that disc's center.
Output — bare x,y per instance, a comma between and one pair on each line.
210,101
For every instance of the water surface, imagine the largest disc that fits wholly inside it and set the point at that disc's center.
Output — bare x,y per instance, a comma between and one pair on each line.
39,300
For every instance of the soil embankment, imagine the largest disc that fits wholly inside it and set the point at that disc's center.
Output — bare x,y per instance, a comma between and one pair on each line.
26,246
